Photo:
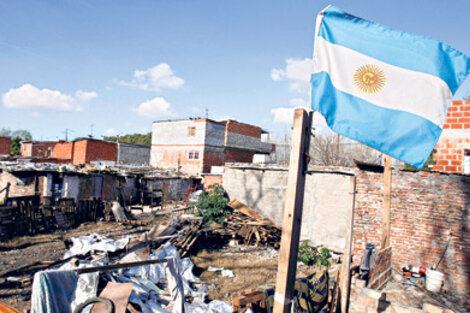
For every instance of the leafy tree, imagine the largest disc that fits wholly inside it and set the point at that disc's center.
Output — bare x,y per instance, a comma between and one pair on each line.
17,136
141,139
212,205
426,167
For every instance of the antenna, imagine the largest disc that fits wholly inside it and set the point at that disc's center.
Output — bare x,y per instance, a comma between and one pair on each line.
66,132
207,113
91,130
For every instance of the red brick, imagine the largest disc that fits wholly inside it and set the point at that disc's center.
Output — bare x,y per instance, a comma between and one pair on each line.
5,143
456,126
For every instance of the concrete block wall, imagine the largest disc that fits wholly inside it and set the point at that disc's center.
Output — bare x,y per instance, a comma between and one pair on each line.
5,143
454,144
128,153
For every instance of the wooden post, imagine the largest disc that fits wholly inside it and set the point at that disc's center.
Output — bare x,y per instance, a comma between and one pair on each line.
386,223
345,281
293,211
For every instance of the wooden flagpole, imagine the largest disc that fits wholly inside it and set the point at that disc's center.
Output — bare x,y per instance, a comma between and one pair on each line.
293,211
387,214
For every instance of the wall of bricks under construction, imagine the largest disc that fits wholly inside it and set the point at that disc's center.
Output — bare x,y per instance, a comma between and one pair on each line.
426,208
366,300
209,180
455,139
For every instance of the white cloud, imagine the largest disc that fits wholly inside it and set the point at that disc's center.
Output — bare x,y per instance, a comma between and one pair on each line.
297,72
157,107
155,78
110,132
35,114
286,116
85,95
299,102
28,96
31,97
283,115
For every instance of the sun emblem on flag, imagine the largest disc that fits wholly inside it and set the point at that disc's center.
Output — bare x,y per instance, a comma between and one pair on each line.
369,78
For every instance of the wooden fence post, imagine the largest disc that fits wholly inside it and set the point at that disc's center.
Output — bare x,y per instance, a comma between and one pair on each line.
293,211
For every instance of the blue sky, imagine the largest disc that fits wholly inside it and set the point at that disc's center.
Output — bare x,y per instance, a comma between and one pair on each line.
119,65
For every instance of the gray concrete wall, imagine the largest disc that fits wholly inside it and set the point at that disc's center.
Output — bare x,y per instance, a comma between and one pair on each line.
235,140
215,134
129,153
327,200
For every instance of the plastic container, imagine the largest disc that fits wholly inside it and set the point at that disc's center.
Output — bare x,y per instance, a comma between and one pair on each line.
434,280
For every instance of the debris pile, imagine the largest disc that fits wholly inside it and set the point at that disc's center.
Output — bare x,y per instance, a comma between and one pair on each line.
249,226
135,274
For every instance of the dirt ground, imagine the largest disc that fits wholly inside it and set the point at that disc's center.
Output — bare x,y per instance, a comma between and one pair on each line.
28,252
251,266
415,296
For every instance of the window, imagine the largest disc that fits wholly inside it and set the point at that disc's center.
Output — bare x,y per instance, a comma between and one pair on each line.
191,131
193,155
466,161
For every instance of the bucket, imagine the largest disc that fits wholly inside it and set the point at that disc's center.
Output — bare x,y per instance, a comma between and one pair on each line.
434,280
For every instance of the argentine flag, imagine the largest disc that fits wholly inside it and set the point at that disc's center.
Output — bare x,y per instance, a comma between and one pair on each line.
385,88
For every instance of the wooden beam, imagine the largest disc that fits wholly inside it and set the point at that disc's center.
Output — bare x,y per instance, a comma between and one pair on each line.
387,214
293,211
345,280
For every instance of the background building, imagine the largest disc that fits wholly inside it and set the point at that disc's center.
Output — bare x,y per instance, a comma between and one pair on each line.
452,152
5,143
193,146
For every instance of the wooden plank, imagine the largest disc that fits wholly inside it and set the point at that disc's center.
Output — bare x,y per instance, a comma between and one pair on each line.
292,211
345,280
387,214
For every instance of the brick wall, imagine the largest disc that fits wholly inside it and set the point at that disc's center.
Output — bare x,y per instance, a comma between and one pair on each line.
236,155
458,115
100,150
5,143
21,187
209,180
383,270
37,149
63,150
212,157
455,139
425,208
243,129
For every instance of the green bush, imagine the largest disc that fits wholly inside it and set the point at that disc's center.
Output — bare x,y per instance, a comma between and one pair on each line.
313,255
212,205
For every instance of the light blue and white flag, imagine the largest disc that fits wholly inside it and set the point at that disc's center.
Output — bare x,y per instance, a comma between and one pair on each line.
385,88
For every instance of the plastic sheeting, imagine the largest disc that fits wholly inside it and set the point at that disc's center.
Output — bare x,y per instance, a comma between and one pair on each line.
94,242
175,277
